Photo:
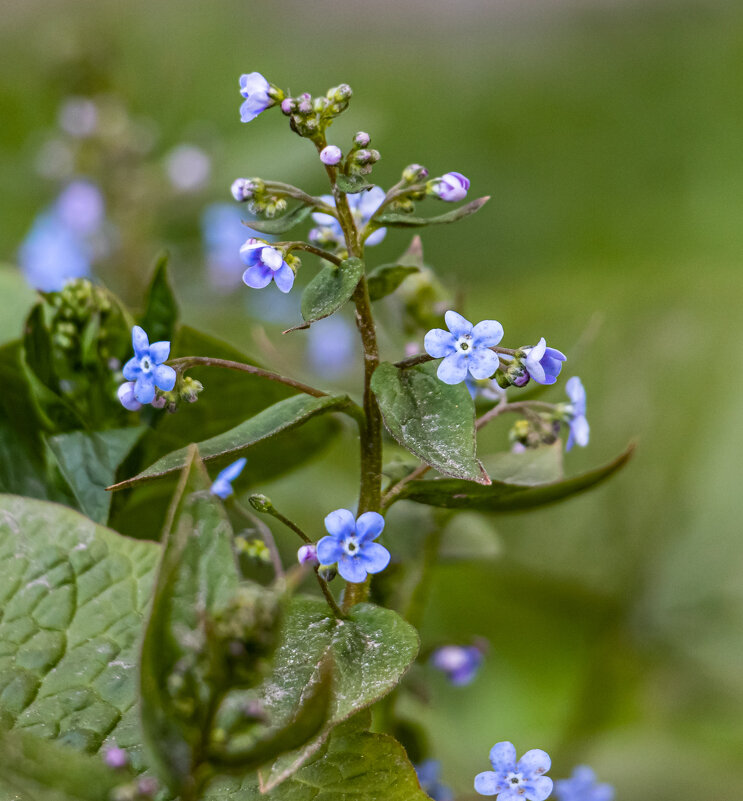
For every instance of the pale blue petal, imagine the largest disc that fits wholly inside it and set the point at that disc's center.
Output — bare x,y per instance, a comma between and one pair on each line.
159,352
231,472
483,363
376,237
369,202
140,341
439,343
539,789
132,369
534,368
257,276
458,325
487,334
222,489
253,82
534,762
329,551
603,792
284,278
453,370
580,431
126,397
553,353
575,390
144,388
351,569
164,376
486,783
503,756
510,795
369,526
340,523
374,557
247,112
323,219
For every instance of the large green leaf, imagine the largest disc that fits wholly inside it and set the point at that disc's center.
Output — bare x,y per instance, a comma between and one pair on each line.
89,462
531,467
330,289
161,308
433,420
282,416
17,298
280,225
397,220
73,596
507,496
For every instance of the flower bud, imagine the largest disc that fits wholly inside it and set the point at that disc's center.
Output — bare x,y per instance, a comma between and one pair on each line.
327,573
190,389
361,139
451,187
340,93
159,402
288,105
331,155
115,757
242,189
307,554
305,104
414,173
126,397
260,503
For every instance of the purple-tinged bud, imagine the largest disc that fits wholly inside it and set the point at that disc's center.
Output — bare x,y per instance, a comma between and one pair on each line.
331,155
147,786
288,104
451,187
361,139
242,189
159,402
342,92
363,156
126,397
115,757
414,173
307,555
305,104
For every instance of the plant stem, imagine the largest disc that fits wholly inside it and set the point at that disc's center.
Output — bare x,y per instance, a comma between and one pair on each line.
394,491
420,358
323,254
295,192
521,407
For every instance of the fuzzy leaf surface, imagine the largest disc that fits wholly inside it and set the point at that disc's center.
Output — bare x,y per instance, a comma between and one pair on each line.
397,220
352,184
279,225
330,289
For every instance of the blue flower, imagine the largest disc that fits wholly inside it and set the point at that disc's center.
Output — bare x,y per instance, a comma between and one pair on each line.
146,369
256,91
428,776
582,786
350,544
514,781
265,264
485,388
542,363
460,663
363,205
579,428
466,348
127,398
81,207
451,187
53,253
222,486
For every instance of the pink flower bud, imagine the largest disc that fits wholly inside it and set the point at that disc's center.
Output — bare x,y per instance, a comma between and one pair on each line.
331,155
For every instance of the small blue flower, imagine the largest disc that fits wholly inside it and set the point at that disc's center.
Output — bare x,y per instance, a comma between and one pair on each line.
265,264
579,428
464,348
542,363
514,781
146,369
428,776
81,207
127,398
350,544
451,187
53,254
363,205
582,786
459,663
222,486
256,91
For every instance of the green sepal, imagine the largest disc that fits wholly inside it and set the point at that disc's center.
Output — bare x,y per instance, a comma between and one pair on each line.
352,184
280,225
397,220
330,289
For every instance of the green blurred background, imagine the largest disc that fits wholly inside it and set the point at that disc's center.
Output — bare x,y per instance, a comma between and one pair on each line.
609,136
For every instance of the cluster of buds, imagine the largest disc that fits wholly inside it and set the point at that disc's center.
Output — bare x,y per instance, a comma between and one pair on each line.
527,434
310,117
260,199
186,390
254,549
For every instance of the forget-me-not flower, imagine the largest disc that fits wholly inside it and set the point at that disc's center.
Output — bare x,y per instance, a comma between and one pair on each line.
460,663
451,187
428,775
351,545
265,264
127,397
363,205
542,363
582,786
464,348
222,486
514,781
579,428
256,91
146,368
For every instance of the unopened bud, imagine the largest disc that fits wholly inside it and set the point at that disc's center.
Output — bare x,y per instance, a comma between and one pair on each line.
327,572
342,92
361,139
331,155
190,389
159,402
242,189
414,173
260,503
305,105
115,757
307,554
288,105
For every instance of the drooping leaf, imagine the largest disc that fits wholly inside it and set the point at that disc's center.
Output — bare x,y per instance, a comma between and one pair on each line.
398,220
352,184
161,308
533,466
385,279
18,297
504,496
73,596
330,289
280,225
282,416
33,769
88,462
433,420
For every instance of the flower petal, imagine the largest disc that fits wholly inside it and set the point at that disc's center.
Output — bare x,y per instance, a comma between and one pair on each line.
503,756
487,333
453,370
439,343
132,369
580,431
376,237
140,341
374,557
534,763
486,783
126,397
369,526
324,219
159,352
351,569
329,551
253,82
257,276
144,388
284,278
340,523
369,202
222,489
458,325
538,790
534,368
483,363
575,390
164,377
231,472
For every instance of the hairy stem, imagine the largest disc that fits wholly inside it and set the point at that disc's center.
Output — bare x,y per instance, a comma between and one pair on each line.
323,254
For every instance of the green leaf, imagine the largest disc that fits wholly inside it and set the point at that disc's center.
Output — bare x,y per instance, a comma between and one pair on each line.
18,297
282,416
397,220
330,289
385,279
433,420
504,496
161,308
352,184
89,462
197,578
534,466
280,225
73,596
32,769
371,652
